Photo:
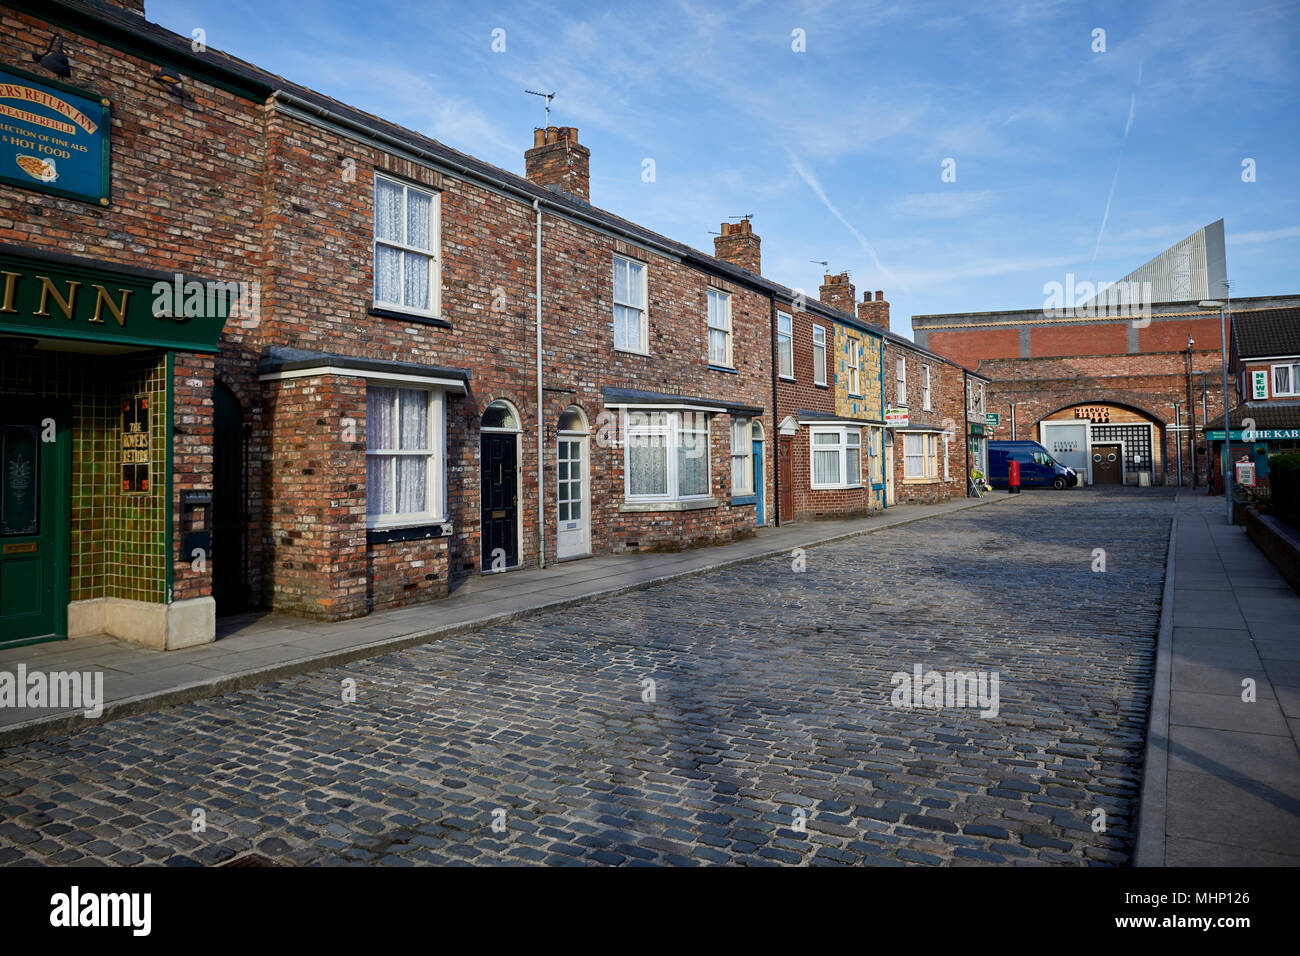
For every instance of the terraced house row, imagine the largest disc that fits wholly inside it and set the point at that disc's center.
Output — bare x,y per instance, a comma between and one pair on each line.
262,349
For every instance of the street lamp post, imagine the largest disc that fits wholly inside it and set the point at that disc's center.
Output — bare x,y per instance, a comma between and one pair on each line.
1227,419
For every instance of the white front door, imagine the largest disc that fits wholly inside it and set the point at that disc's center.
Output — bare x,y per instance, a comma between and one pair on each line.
571,537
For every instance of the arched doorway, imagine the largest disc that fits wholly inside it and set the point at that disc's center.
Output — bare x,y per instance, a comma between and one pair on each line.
499,486
229,504
573,486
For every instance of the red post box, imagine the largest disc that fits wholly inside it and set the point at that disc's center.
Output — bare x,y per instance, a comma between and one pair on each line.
1013,477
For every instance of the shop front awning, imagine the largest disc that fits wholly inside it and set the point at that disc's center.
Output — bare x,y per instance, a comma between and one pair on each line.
1266,420
51,295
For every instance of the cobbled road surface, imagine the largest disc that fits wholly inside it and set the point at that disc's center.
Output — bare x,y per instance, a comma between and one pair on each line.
771,737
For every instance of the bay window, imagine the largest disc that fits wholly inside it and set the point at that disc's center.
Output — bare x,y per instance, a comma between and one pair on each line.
666,455
406,247
836,457
920,455
404,483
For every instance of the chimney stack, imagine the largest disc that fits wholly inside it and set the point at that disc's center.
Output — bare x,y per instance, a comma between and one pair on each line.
557,161
739,246
838,292
874,313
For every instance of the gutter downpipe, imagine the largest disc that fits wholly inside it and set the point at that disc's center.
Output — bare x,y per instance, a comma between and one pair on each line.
541,422
776,425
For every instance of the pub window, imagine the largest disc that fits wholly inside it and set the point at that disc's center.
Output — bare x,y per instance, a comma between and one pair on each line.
406,247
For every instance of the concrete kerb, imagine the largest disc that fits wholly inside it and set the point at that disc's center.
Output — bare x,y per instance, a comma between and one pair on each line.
1150,844
55,724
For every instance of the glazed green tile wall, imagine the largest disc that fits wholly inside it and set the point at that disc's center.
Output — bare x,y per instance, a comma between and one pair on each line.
118,542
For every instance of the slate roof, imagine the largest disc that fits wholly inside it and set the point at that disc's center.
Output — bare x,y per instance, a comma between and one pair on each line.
1267,415
259,81
1266,332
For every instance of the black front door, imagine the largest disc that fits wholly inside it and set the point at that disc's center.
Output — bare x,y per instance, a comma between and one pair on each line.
229,520
499,479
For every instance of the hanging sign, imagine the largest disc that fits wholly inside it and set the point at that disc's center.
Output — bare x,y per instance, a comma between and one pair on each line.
53,138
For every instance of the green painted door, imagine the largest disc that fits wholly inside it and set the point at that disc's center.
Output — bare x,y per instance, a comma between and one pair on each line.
33,526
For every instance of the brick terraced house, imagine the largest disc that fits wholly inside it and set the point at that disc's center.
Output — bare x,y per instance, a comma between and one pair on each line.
264,350
1264,360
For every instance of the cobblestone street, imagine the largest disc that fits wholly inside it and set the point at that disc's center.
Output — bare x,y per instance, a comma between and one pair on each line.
771,706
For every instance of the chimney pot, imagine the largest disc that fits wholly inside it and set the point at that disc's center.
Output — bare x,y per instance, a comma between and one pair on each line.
558,161
880,296
739,245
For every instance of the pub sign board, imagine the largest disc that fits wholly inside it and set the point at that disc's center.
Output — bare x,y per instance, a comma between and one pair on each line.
53,137
135,445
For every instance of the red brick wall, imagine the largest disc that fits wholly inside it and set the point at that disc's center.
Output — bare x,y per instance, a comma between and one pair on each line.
947,411
1079,339
968,346
314,484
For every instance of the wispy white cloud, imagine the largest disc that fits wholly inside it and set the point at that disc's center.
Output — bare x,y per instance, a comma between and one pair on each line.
815,185
943,205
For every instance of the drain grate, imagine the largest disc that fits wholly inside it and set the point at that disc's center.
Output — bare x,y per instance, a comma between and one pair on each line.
251,859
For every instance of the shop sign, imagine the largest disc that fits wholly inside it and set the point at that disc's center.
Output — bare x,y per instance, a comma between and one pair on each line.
134,441
1259,384
896,418
977,430
1259,434
992,419
53,138
1097,414
53,299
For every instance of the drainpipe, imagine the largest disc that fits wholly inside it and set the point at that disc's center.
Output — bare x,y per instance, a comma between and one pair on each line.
541,421
775,443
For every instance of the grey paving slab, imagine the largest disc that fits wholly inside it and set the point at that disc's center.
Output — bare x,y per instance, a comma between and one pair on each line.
1186,852
1225,712
1232,812
1223,679
1252,757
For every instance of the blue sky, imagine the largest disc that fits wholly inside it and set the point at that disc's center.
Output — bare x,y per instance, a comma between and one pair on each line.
1067,160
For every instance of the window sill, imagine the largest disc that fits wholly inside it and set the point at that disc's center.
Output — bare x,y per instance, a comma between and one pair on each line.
723,368
787,378
820,385
744,500
834,487
384,534
680,504
416,317
922,481
631,352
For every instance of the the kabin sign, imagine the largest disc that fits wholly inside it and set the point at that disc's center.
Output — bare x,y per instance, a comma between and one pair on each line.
53,138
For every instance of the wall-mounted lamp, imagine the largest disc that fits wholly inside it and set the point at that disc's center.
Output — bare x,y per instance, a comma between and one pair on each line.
170,80
54,60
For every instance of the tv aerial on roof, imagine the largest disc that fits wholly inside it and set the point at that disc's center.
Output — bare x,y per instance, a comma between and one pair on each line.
548,97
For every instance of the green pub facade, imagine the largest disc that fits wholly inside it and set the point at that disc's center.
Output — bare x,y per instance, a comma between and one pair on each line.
123,246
